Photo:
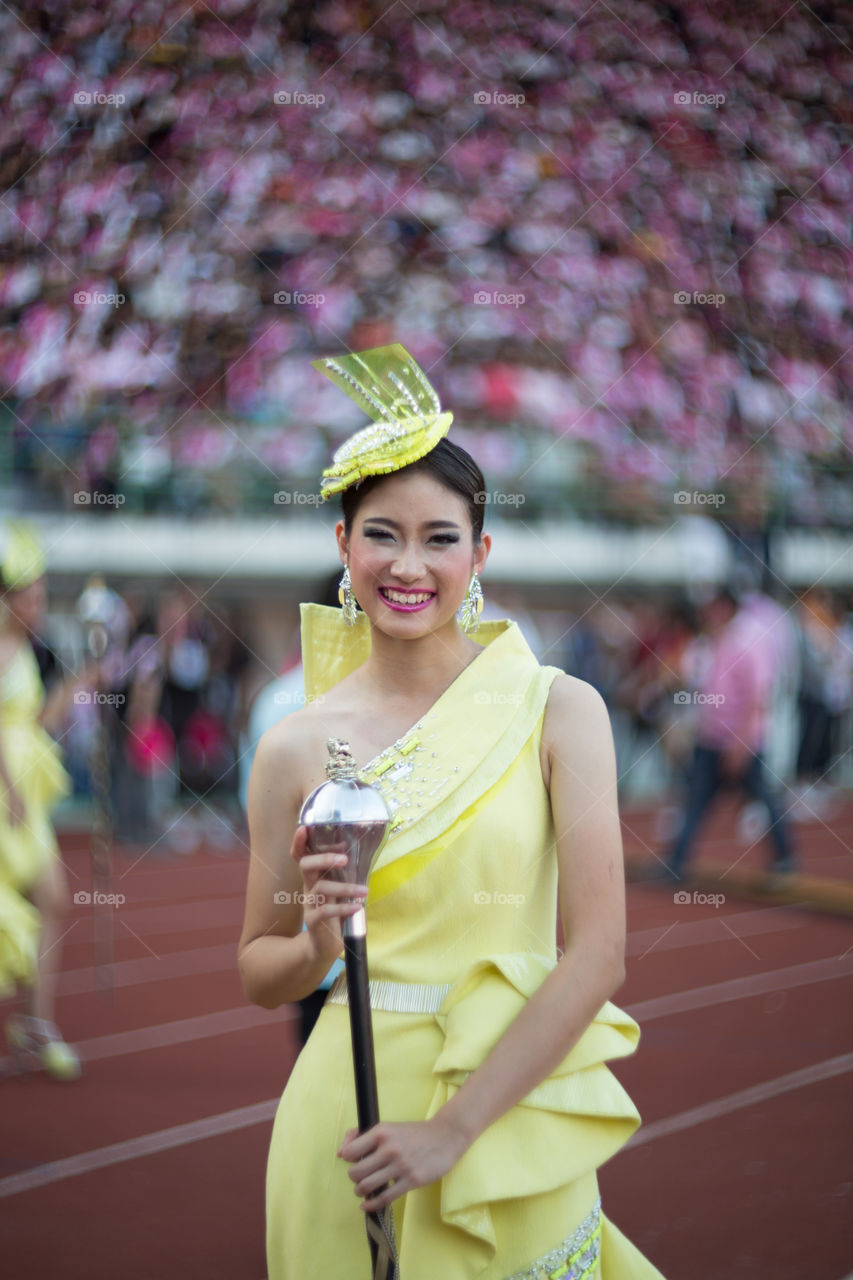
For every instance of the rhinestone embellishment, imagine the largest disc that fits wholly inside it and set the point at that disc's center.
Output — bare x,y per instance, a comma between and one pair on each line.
404,774
575,1259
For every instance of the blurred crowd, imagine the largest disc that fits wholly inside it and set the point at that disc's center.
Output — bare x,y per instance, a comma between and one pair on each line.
652,663
182,700
619,229
152,730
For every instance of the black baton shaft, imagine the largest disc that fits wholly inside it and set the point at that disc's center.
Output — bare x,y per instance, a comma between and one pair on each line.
361,1026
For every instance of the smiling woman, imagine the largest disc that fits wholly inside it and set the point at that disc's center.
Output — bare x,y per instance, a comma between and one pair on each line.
497,1105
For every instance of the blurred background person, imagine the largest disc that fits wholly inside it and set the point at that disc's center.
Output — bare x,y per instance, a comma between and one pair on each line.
32,780
733,699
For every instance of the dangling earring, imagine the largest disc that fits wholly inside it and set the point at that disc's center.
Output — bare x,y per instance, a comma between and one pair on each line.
347,599
472,606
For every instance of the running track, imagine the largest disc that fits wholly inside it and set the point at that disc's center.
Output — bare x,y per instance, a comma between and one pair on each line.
153,1164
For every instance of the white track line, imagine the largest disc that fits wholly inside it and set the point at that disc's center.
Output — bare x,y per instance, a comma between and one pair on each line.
745,924
243,1018
755,984
197,962
200,961
246,1016
261,1112
743,1098
149,1144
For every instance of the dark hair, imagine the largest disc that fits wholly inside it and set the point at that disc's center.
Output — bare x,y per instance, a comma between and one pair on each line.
449,465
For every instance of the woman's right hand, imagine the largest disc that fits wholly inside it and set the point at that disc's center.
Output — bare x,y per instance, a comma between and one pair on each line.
325,901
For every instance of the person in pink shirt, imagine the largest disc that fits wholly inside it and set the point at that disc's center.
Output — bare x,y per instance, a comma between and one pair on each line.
733,702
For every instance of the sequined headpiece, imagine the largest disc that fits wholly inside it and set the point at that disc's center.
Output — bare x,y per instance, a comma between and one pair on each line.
407,418
22,559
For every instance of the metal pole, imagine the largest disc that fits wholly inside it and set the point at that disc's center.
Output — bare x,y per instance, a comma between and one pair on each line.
380,1225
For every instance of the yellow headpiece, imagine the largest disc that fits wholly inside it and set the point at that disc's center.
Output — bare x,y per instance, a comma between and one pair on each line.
407,417
22,560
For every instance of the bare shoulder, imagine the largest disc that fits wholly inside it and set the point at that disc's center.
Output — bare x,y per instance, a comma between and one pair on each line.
292,753
576,729
574,703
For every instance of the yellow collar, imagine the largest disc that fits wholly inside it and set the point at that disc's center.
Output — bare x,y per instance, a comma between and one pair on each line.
331,649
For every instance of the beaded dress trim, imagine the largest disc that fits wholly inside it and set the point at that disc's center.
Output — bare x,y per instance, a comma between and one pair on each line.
575,1259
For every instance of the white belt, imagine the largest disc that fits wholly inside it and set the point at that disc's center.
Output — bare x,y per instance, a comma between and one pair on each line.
394,997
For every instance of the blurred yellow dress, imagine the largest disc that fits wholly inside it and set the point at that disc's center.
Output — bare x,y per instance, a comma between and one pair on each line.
33,762
461,911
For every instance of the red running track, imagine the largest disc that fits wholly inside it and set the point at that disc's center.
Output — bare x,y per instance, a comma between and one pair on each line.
153,1164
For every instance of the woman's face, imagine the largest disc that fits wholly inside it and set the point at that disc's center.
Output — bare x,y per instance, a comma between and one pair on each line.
411,554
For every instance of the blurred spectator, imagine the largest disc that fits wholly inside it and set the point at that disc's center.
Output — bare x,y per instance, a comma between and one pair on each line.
733,701
825,693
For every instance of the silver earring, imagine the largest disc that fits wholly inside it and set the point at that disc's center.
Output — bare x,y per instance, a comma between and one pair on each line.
472,605
347,599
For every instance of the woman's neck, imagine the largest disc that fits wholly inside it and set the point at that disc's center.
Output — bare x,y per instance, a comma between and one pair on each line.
417,668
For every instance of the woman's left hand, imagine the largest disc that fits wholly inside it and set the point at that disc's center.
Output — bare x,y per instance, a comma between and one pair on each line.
405,1155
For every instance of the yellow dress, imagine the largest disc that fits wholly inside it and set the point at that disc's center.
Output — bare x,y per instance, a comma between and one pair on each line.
33,762
461,912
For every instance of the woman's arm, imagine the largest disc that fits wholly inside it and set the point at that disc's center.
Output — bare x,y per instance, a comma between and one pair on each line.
592,909
579,741
279,962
